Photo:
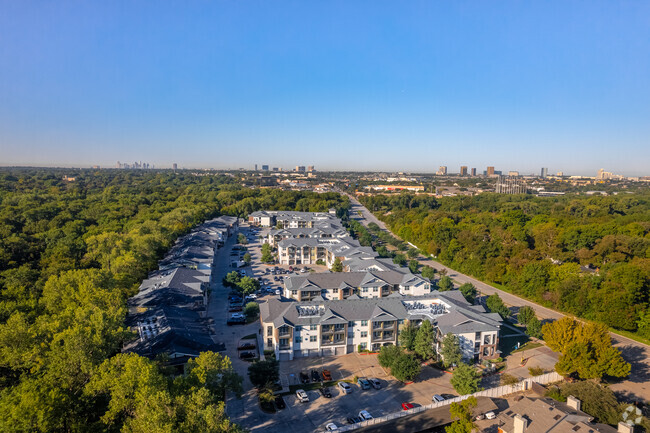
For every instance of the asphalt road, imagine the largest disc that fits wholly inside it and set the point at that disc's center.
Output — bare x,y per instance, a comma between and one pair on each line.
636,387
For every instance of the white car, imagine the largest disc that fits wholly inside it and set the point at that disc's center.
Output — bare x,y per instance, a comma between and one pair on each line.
237,316
302,396
331,427
490,415
364,414
252,296
437,398
345,387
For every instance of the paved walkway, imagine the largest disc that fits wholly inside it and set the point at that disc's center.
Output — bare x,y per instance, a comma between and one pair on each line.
636,387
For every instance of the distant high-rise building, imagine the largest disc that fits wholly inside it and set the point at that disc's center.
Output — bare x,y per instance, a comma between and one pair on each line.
300,168
490,171
442,170
274,169
474,171
559,174
544,172
463,170
310,168
265,167
255,167
175,166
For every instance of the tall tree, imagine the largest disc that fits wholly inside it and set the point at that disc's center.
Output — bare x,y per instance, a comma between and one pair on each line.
337,266
450,350
407,336
465,379
424,341
445,284
469,292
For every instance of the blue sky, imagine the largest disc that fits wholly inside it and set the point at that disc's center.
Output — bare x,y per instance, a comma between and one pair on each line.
368,85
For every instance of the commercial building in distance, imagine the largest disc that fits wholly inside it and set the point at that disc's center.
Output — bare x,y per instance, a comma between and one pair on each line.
474,171
442,170
295,329
544,172
490,171
291,219
511,185
463,170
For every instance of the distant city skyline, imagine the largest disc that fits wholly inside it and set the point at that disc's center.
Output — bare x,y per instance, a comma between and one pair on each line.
366,86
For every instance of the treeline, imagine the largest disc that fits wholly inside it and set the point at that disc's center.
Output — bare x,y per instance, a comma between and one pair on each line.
71,253
588,256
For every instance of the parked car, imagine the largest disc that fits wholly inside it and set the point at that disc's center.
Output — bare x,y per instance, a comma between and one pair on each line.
438,398
331,427
353,419
237,316
375,383
247,355
490,415
315,376
364,414
407,406
237,321
479,417
279,402
303,377
232,308
327,376
345,387
325,391
302,396
278,292
363,383
246,346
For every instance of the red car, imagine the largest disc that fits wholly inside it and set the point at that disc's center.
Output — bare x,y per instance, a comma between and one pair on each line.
327,376
407,406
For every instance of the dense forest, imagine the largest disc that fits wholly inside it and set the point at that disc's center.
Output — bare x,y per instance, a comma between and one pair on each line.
584,255
71,253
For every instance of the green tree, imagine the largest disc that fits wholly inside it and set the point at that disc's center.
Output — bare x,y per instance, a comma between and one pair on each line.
248,285
337,266
496,305
388,355
463,416
424,341
413,266
412,253
231,279
450,350
428,272
508,379
262,372
597,400
469,292
586,349
534,328
445,284
252,310
405,368
241,239
399,260
525,314
247,258
465,379
407,336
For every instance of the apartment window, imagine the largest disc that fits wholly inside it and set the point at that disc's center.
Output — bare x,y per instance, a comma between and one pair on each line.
350,324
313,327
269,342
363,346
364,334
375,289
335,290
294,292
312,338
269,331
298,328
297,340
365,290
364,323
284,341
477,336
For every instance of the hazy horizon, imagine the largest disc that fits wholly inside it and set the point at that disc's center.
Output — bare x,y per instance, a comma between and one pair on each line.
365,86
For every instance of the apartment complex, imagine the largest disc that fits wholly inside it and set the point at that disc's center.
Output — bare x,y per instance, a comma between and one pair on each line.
511,185
169,311
291,219
294,329
363,284
306,251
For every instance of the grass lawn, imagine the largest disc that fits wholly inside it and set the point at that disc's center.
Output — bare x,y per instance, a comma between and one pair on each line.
526,346
507,345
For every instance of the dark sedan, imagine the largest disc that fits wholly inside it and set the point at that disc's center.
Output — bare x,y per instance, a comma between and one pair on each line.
304,378
326,392
315,376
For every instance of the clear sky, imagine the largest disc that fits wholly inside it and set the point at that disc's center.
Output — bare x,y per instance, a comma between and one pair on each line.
368,85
